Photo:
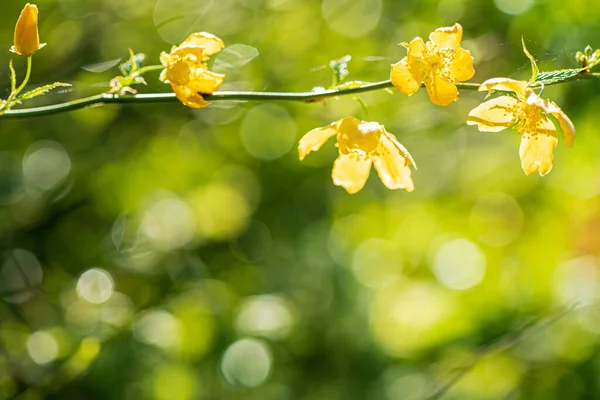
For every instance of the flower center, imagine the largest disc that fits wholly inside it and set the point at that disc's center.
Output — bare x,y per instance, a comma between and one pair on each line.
530,117
361,138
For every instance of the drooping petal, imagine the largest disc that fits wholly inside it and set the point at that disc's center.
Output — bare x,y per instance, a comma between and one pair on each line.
550,107
403,79
504,84
351,171
494,115
316,138
441,91
188,97
205,81
461,66
403,151
447,37
537,149
392,167
209,42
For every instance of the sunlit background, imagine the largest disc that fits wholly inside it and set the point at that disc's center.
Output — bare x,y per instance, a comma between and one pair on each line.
158,252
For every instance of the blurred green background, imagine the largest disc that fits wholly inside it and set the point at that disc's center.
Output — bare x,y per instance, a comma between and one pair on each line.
158,252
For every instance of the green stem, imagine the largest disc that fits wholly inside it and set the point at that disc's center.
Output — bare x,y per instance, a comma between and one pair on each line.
26,79
10,101
106,98
148,68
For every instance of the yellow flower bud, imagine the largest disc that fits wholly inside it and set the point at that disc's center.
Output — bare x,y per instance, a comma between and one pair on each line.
27,39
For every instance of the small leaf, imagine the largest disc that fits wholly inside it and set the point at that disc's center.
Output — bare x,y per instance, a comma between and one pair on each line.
549,77
42,90
127,67
339,68
534,68
101,66
234,57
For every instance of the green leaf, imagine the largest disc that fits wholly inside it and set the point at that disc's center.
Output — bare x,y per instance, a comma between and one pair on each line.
534,68
560,75
134,63
234,57
42,90
176,19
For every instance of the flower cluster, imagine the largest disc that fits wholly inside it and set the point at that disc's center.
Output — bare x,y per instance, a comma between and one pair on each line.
186,69
440,64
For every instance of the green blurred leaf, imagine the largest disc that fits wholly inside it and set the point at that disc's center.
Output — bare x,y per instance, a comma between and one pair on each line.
234,57
101,66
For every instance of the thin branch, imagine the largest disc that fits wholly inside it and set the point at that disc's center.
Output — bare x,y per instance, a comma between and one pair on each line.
106,98
504,343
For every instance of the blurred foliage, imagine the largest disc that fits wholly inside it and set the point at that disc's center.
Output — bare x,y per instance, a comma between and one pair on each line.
158,252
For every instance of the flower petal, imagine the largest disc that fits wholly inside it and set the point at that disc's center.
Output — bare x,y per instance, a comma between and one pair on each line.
441,91
403,79
204,81
188,97
415,57
209,42
316,138
461,67
494,115
537,149
504,84
447,37
392,166
193,55
550,107
351,171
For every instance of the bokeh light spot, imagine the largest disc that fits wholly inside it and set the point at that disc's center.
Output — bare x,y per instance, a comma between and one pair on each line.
46,164
246,362
265,315
513,7
353,18
95,285
459,264
42,347
158,328
577,281
377,263
169,223
268,132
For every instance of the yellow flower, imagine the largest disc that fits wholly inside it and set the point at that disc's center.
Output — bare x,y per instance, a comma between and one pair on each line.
186,69
360,144
27,39
528,114
438,64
